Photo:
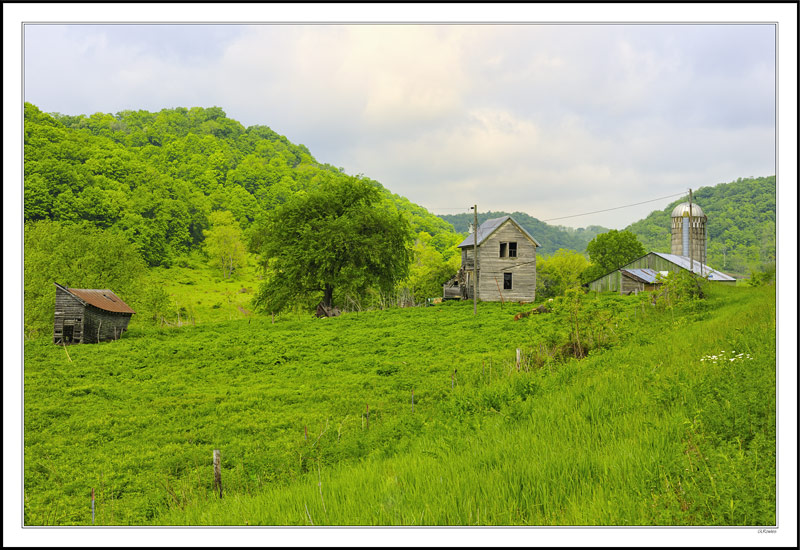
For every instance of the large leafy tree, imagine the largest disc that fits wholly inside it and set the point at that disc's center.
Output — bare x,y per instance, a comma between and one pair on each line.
224,244
338,236
611,250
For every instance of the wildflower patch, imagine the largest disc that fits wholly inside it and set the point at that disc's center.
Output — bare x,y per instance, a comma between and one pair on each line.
724,357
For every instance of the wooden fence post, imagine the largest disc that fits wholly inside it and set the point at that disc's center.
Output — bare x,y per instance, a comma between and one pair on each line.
518,358
368,416
218,471
92,505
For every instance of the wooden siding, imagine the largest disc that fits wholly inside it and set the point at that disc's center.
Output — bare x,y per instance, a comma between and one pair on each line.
69,313
629,285
608,283
492,266
101,326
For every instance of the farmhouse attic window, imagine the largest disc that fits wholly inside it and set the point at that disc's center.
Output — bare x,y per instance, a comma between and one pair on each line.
508,250
506,281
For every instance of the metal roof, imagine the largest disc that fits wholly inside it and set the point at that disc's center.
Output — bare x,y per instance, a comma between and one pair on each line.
489,226
100,298
683,208
699,268
644,275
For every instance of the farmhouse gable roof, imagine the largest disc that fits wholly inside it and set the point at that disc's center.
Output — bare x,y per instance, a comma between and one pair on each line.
490,226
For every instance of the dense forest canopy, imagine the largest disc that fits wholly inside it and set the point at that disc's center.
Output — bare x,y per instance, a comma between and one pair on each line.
156,177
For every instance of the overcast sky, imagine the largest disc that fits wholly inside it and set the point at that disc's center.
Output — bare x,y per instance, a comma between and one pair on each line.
551,120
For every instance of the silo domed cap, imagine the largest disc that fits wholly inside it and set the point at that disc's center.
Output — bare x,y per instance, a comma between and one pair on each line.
683,208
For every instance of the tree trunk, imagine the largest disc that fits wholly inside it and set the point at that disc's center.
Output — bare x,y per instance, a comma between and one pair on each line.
327,301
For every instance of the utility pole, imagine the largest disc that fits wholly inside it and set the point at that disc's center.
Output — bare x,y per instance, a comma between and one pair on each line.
475,264
691,230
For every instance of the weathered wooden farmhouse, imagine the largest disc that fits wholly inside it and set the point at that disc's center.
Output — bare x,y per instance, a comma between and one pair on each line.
641,274
87,316
506,267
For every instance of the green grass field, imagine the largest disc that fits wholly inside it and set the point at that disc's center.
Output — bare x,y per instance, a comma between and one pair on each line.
669,420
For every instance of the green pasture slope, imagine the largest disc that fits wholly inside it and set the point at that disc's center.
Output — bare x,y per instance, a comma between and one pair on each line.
670,420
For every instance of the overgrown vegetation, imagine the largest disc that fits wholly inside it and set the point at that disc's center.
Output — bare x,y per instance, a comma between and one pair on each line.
650,427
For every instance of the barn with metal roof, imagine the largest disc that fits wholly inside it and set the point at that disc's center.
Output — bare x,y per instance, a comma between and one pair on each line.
641,274
88,316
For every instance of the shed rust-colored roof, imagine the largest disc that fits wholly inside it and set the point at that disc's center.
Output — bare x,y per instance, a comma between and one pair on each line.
101,298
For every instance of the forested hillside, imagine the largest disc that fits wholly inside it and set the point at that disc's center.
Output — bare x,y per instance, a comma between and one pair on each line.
156,176
552,237
741,224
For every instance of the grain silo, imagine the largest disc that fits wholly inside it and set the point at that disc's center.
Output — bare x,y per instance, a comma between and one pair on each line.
689,229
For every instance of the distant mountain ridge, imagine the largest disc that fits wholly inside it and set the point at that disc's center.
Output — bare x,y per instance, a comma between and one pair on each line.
552,237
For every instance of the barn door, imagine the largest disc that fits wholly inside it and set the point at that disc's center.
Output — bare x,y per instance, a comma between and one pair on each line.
68,329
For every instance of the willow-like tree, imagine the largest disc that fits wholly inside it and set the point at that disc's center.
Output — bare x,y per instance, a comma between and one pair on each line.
341,235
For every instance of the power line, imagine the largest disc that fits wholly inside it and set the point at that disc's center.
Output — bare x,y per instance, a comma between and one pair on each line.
584,214
615,208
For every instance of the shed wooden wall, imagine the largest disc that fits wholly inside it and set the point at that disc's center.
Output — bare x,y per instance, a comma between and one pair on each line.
68,311
491,266
101,325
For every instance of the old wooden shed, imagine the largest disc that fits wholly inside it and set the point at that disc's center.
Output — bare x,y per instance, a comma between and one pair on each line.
506,263
88,316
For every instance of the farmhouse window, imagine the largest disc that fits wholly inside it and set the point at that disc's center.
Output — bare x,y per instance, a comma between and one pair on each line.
506,281
508,250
